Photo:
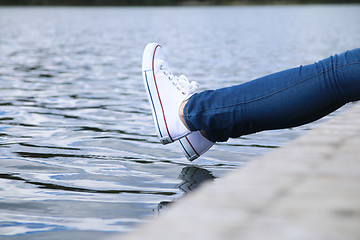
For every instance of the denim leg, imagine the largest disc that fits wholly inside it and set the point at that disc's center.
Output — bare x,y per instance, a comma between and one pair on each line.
281,100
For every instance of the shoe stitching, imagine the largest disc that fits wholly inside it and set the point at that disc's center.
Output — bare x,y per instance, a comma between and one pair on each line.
185,149
157,90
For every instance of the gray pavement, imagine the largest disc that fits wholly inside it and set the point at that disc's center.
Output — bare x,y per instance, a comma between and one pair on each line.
308,189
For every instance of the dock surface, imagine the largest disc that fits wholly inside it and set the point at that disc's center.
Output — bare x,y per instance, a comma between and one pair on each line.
308,189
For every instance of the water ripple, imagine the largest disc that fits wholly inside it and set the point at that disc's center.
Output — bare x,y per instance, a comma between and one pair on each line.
75,189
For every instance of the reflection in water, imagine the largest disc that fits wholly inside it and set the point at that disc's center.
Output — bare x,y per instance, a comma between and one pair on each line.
192,177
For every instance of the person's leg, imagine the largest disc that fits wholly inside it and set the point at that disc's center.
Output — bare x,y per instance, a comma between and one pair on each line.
286,99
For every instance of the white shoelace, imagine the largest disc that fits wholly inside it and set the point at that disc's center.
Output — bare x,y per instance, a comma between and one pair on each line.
181,83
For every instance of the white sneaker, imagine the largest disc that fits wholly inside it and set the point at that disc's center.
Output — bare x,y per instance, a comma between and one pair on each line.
194,145
165,93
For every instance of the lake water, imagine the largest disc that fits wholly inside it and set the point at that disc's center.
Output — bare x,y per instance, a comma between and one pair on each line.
79,153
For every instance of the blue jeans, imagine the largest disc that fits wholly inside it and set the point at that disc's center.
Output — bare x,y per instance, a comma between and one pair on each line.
281,100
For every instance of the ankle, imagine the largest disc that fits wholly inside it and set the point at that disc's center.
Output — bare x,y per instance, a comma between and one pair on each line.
181,113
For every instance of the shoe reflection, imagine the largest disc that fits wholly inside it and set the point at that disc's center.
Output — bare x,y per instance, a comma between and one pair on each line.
192,177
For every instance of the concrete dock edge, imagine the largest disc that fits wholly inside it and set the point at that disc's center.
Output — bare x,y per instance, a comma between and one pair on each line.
308,189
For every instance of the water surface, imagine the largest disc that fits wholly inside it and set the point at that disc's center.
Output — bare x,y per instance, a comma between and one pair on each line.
79,153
